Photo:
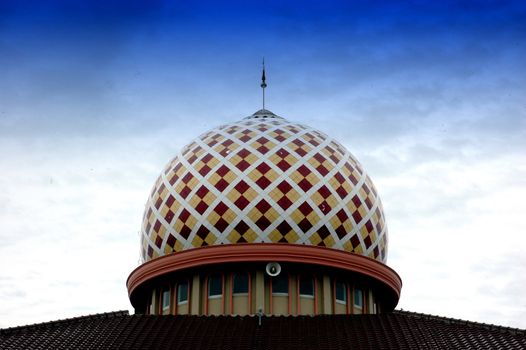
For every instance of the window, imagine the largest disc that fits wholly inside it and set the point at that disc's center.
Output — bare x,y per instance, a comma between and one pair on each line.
341,292
358,298
165,295
182,292
215,286
280,285
306,286
240,283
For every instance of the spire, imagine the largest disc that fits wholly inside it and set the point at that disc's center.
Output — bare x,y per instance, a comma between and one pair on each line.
263,83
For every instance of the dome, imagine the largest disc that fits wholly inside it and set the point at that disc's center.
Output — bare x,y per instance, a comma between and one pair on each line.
264,179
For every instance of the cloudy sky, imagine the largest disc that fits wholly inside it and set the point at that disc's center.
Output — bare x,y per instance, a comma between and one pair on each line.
96,97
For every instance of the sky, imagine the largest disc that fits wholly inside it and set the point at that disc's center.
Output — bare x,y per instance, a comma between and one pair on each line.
96,97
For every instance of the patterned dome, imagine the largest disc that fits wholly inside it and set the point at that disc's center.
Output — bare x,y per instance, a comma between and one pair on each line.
264,179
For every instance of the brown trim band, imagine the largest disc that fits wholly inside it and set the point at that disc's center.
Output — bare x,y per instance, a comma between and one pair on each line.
265,252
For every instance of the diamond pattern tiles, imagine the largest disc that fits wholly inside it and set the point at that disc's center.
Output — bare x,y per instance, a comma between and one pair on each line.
264,180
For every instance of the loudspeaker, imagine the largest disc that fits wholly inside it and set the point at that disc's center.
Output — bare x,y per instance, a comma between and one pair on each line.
273,269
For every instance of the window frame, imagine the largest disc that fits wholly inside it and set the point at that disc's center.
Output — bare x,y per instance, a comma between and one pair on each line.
345,287
178,291
209,279
247,275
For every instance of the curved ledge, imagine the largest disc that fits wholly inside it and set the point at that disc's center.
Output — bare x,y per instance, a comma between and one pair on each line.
265,252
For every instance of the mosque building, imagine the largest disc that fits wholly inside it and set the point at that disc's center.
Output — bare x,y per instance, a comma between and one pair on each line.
263,233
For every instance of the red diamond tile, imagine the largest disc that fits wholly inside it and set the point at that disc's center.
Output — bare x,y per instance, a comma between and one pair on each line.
320,158
356,201
342,215
262,140
324,192
221,208
158,241
221,225
185,214
284,202
201,207
262,149
284,228
192,159
185,231
283,165
322,170
242,187
227,142
340,231
202,191
185,192
367,242
304,225
301,152
157,226
263,168
355,241
284,187
208,157
171,241
169,216
341,192
242,165
263,182
222,171
263,206
158,203
324,232
243,153
305,185
241,202
263,223
298,143
242,227
357,216
221,185
305,208
304,171
186,179
369,226
324,207
173,179
202,232
339,177
204,170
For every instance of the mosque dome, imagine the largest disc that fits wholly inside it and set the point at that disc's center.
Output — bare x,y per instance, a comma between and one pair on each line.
264,179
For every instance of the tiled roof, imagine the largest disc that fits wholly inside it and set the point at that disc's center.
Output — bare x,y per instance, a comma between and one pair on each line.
397,330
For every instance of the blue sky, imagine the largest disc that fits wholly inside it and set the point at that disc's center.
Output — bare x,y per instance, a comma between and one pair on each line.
95,97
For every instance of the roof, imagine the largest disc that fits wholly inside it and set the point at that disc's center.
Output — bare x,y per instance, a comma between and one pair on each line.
397,330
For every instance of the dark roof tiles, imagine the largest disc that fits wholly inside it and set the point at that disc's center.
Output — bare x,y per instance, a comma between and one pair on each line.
397,330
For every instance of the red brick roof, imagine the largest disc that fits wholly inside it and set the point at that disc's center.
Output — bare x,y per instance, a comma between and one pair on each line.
397,330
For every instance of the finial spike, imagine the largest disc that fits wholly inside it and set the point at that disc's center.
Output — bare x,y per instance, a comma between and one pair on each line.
263,82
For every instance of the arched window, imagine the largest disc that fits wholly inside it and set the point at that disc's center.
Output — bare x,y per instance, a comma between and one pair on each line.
280,285
340,292
182,292
306,286
165,300
240,283
358,298
215,286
